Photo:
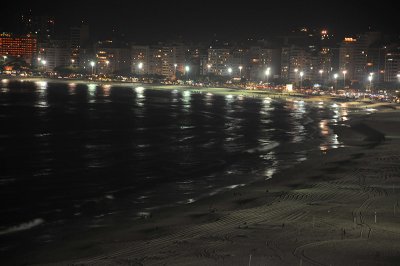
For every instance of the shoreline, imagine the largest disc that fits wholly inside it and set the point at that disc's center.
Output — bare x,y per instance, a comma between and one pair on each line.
225,91
280,221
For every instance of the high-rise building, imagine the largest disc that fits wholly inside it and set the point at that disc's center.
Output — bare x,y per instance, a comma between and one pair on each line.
112,57
56,53
295,60
361,56
194,53
140,56
41,26
173,59
163,59
392,67
219,60
260,59
24,47
79,39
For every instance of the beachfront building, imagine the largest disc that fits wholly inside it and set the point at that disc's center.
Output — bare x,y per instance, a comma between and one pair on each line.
55,53
260,59
218,59
361,56
296,60
112,57
163,59
392,67
24,47
80,41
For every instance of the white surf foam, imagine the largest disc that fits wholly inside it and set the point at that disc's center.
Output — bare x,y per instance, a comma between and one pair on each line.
22,227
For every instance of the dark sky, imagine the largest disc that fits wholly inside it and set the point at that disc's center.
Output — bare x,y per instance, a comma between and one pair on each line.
153,20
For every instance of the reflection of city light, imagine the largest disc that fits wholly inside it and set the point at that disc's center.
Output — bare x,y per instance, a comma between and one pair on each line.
42,99
92,89
230,97
71,88
186,100
323,148
140,89
4,81
323,125
267,101
42,84
107,90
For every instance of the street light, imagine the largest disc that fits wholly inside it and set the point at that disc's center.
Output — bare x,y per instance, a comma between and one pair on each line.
301,79
240,70
44,63
296,70
140,67
267,73
321,72
187,69
175,66
209,67
335,76
344,78
370,78
230,71
92,64
107,63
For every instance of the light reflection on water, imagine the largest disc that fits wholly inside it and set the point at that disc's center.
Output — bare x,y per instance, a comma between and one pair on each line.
42,97
138,148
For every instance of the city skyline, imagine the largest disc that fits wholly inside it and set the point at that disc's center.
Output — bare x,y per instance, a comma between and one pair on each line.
152,21
50,40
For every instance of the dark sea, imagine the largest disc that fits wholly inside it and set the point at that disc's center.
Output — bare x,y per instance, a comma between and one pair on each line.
76,153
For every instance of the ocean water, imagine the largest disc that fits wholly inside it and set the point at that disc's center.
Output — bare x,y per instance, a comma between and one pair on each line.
71,152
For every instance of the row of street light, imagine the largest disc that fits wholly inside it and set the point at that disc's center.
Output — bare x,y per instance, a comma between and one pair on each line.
230,71
321,72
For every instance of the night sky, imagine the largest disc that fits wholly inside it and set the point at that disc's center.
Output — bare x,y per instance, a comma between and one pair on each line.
196,20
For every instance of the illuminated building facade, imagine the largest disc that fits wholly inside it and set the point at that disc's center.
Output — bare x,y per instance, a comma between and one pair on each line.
24,47
259,59
112,57
56,53
158,60
219,60
392,67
